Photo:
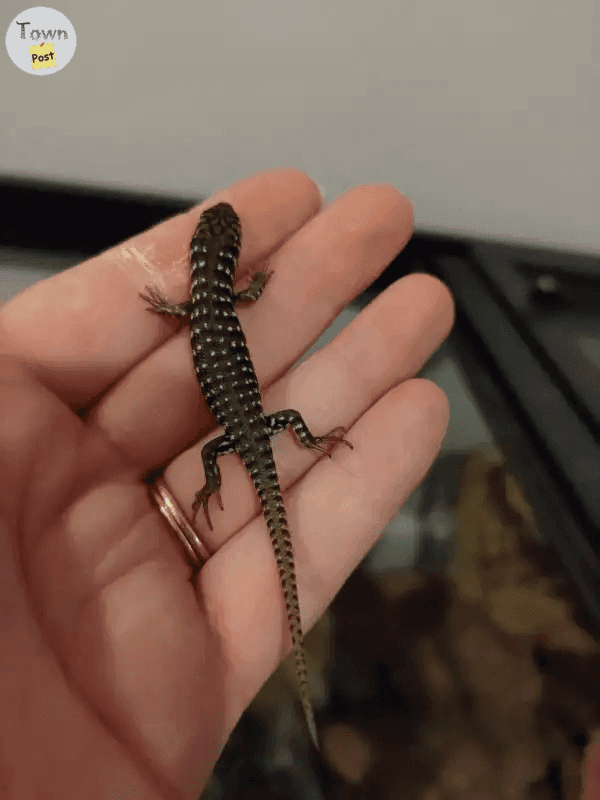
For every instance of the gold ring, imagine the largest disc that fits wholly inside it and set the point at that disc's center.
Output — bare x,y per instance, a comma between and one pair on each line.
194,548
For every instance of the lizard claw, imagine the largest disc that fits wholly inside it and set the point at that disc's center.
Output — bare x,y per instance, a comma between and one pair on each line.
155,300
333,436
202,498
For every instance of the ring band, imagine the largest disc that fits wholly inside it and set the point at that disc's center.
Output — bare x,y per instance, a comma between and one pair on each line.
194,548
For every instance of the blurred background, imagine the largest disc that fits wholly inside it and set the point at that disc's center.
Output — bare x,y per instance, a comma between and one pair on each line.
485,114
480,680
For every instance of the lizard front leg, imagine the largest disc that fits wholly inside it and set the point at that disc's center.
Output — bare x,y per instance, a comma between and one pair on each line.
158,304
255,288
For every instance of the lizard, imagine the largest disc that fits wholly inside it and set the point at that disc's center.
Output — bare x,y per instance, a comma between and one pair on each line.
230,387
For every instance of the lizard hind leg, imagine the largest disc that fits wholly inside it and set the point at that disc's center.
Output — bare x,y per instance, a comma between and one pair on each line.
293,419
220,446
201,499
255,288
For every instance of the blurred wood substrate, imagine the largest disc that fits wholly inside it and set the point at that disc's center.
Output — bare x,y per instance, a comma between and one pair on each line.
474,684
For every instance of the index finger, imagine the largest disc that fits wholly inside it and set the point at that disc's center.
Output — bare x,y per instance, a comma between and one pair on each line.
83,329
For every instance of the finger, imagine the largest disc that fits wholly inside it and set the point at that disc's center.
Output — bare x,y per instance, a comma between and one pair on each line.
591,771
84,328
341,512
386,344
153,413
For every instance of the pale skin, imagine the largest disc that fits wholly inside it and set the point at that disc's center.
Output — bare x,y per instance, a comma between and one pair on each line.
120,677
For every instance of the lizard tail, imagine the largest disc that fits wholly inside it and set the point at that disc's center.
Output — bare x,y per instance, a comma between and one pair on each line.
282,545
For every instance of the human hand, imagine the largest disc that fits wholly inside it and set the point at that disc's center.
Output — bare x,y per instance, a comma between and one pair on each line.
120,677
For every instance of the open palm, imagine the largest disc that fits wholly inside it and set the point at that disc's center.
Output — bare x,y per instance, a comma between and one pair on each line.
120,676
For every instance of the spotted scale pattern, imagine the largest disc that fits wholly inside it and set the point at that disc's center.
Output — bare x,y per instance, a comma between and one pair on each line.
230,386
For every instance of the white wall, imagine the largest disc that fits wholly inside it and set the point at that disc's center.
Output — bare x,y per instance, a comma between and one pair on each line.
486,113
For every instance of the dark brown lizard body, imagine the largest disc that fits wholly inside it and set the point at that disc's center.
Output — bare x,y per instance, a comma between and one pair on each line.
230,386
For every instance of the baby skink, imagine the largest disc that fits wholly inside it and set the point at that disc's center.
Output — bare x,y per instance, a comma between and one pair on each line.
229,384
